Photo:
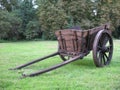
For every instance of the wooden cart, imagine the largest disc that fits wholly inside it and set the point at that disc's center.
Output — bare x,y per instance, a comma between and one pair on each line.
75,44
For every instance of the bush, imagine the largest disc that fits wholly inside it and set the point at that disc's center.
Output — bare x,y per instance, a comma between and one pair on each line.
33,30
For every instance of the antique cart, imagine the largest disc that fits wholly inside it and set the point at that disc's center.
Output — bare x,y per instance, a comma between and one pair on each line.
75,44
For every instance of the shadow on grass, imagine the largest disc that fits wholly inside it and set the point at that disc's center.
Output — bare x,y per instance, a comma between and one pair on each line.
85,62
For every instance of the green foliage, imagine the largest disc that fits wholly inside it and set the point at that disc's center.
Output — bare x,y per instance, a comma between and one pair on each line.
4,29
30,25
9,25
33,30
52,17
4,24
84,13
19,16
9,5
109,10
16,20
81,11
60,14
27,12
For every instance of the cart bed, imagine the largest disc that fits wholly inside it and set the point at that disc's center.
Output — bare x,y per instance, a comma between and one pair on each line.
74,42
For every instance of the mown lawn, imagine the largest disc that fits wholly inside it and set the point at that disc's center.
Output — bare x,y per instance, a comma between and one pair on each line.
78,75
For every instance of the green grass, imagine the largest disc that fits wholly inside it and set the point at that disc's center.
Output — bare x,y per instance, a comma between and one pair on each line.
78,75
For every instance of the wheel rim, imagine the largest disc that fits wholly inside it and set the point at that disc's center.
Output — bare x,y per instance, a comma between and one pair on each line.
102,49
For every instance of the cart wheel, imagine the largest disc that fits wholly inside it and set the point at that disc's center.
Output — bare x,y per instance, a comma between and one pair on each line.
102,48
64,58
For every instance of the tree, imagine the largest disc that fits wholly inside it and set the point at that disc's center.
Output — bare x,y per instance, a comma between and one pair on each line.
33,30
27,13
80,12
109,10
52,17
9,5
4,24
18,18
15,31
9,25
84,13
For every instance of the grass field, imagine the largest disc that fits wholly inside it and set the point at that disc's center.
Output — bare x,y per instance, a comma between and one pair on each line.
78,75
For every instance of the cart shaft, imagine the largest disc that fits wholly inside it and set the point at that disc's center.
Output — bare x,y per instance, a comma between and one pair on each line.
53,67
34,61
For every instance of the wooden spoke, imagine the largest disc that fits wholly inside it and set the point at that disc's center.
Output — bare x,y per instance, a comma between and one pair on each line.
106,56
100,43
104,59
106,39
108,48
99,55
99,48
101,58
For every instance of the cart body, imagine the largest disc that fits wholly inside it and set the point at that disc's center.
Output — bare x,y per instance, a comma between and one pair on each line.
73,42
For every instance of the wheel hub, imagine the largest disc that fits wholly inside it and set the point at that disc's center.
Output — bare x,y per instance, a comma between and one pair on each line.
105,49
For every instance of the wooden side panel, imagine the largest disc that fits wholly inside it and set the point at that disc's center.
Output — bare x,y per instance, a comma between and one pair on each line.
72,41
